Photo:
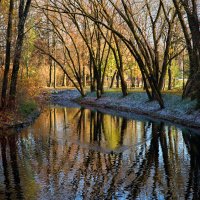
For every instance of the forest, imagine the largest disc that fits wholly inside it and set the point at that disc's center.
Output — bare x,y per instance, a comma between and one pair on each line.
99,99
96,45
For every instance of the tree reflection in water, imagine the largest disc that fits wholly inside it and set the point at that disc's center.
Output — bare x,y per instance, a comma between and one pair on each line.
73,153
12,184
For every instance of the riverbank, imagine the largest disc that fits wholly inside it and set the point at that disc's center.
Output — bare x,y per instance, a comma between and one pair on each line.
10,119
176,110
24,113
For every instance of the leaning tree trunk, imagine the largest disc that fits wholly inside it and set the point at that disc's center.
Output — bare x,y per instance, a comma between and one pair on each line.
112,80
117,79
16,63
23,12
123,85
120,68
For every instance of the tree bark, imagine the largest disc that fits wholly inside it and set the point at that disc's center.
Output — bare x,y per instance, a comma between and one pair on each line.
84,77
120,68
92,81
23,12
193,45
112,80
169,78
50,72
8,52
64,82
54,75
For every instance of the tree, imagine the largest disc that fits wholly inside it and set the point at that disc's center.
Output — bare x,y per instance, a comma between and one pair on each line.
143,42
68,52
8,54
119,62
28,49
97,47
191,30
23,11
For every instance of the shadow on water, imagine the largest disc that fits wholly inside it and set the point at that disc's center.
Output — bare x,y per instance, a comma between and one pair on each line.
75,153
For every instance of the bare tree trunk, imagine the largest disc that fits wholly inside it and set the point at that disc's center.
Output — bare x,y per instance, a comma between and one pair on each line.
120,67
169,78
193,45
183,64
64,82
23,12
117,78
50,72
84,77
54,75
49,48
8,51
146,87
132,79
27,68
92,81
112,80
54,63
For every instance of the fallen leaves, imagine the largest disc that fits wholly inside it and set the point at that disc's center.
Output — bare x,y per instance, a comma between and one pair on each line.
9,118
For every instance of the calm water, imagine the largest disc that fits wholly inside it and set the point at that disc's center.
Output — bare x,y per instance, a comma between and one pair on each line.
73,153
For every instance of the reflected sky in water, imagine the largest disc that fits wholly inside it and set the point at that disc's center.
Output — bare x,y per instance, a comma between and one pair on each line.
75,153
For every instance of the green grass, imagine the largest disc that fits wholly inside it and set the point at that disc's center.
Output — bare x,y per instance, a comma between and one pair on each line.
176,91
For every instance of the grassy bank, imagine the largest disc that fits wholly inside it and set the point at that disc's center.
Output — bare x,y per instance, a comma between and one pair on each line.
22,115
176,110
26,110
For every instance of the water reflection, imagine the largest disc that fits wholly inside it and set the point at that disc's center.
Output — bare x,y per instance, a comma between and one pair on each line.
73,153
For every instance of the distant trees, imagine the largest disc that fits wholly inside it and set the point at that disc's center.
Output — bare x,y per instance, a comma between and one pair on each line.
69,55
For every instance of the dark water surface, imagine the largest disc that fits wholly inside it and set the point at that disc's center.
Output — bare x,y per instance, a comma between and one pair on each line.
74,153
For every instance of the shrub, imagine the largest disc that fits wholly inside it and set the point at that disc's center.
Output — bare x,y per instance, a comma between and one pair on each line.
27,107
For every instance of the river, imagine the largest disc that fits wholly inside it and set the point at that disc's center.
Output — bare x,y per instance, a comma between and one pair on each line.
77,153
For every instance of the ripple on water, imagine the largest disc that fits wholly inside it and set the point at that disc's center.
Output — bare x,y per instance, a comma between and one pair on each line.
73,153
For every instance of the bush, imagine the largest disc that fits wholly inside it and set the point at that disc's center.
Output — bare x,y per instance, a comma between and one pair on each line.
27,107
